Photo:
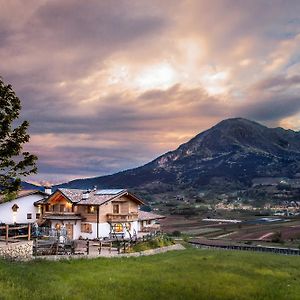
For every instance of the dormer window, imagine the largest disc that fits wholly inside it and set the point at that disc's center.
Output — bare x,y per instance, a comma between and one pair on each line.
15,208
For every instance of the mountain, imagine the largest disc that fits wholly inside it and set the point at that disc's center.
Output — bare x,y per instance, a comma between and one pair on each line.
230,154
29,186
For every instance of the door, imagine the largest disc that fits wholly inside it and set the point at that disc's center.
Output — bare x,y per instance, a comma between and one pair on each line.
69,228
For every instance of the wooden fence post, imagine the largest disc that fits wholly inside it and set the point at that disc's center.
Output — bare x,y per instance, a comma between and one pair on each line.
35,247
87,247
6,233
29,231
100,247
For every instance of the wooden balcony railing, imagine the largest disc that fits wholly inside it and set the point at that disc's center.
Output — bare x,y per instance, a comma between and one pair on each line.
60,213
122,217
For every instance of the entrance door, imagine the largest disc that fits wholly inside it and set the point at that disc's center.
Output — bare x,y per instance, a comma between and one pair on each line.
69,228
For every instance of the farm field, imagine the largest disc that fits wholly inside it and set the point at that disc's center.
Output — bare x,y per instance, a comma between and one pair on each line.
188,274
255,231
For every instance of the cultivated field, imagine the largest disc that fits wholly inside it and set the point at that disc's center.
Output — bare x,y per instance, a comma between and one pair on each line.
287,230
188,274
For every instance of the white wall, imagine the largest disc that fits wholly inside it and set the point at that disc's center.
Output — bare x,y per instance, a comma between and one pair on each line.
104,230
25,207
134,227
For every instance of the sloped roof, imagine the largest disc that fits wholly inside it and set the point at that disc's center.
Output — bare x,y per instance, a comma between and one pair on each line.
73,195
144,216
23,193
95,197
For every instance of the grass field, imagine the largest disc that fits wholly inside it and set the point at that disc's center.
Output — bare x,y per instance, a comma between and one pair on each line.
188,274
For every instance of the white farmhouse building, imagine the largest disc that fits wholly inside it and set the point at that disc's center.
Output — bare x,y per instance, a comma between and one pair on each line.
22,209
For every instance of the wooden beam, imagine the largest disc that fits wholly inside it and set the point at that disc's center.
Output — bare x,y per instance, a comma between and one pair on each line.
97,221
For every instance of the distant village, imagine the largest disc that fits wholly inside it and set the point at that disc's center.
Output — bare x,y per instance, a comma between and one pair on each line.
269,196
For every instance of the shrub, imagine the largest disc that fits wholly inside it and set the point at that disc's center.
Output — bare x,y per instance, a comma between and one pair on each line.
157,242
277,237
176,233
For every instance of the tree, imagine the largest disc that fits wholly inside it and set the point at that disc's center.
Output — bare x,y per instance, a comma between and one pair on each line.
14,163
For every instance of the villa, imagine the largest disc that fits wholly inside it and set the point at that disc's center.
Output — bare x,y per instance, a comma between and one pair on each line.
82,213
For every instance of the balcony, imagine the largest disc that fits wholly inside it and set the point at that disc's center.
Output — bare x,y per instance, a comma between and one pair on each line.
122,217
57,215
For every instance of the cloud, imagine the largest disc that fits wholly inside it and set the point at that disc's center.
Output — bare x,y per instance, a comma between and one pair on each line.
273,109
108,85
279,81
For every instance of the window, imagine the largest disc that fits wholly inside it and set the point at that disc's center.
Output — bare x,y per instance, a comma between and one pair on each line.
37,216
15,208
86,228
116,208
29,216
61,208
91,209
118,228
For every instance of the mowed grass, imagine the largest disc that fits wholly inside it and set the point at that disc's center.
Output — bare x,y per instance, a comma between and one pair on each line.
188,274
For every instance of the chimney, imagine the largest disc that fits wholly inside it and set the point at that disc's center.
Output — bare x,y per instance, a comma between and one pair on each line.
85,194
48,190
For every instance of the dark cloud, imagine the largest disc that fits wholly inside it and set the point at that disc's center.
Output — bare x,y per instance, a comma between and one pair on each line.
279,81
94,24
93,160
272,109
117,113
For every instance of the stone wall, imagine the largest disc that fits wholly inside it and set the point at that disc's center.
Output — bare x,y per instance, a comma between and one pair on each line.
111,255
17,251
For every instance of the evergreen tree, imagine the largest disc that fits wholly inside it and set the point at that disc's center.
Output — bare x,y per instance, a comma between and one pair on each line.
14,163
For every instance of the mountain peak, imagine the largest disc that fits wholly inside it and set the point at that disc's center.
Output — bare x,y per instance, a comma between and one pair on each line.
231,153
238,121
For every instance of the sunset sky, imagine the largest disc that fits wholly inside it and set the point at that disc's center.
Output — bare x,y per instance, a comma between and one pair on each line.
110,85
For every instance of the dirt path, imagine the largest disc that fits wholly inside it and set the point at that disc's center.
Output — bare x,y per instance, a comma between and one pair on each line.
265,236
224,235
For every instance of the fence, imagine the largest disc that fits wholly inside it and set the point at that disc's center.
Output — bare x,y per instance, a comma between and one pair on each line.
277,250
54,247
51,233
14,232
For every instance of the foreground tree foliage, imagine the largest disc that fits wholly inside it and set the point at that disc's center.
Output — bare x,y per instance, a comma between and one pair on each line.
14,163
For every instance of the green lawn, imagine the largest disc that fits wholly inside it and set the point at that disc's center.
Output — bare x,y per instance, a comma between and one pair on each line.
188,274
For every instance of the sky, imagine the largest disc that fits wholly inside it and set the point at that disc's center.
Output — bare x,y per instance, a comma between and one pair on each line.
110,85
